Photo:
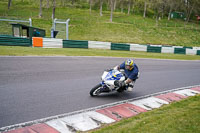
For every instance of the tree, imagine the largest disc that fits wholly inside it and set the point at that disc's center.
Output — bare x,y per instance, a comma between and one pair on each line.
115,4
122,6
54,9
40,14
47,3
134,4
101,4
163,7
73,2
90,6
112,9
157,5
189,7
172,5
9,4
63,2
196,9
129,6
145,8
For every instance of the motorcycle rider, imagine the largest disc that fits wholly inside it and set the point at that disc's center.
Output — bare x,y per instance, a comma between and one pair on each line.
131,73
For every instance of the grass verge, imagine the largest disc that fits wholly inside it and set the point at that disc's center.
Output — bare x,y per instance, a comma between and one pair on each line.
179,117
28,51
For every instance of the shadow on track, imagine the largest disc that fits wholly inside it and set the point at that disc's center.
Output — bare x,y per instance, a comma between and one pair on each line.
116,95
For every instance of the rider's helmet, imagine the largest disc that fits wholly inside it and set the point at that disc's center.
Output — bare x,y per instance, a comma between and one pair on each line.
129,64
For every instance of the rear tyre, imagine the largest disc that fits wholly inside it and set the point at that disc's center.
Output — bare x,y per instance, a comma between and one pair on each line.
120,90
95,91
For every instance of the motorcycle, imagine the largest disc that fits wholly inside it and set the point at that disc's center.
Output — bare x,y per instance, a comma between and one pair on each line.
111,80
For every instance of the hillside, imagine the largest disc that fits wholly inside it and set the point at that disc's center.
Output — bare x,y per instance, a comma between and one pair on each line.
91,26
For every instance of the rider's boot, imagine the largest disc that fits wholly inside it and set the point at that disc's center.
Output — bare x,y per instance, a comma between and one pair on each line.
130,88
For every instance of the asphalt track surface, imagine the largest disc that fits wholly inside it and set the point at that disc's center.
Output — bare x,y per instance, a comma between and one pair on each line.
37,87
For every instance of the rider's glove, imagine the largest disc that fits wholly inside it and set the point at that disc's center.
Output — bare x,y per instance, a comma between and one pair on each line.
116,68
122,84
109,69
119,83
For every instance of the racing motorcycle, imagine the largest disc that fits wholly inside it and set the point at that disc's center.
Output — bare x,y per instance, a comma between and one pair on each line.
111,80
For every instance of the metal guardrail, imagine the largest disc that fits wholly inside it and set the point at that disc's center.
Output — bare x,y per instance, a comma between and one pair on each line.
24,21
56,21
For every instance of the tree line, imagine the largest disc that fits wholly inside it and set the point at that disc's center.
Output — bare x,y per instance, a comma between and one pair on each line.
157,8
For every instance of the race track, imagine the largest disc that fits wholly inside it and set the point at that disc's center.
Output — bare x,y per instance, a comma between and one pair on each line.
38,87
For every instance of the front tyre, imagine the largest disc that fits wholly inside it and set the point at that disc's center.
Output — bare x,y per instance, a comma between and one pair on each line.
95,91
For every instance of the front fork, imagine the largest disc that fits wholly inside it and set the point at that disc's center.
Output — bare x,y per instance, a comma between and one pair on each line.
105,87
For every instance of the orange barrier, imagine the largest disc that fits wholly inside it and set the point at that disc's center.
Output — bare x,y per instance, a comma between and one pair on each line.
37,42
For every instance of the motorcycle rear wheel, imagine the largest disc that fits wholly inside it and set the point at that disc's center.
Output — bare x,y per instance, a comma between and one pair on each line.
95,91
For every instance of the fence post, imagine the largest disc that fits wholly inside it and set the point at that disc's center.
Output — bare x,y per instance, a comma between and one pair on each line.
54,24
30,21
67,23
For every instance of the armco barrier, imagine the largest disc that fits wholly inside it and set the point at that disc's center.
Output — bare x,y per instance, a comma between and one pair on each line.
188,47
198,52
117,46
138,47
154,49
52,43
169,50
37,41
47,42
14,41
99,45
75,44
59,43
179,51
197,48
191,52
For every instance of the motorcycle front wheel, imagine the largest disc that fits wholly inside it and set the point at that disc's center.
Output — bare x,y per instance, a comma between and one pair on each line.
95,91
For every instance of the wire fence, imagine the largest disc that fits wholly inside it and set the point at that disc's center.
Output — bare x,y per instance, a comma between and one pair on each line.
62,27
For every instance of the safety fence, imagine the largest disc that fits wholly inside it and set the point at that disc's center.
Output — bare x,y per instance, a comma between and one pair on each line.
14,41
60,43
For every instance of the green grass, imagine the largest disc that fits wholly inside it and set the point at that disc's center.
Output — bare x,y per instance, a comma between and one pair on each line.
85,26
179,117
28,51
